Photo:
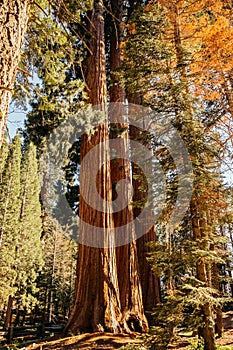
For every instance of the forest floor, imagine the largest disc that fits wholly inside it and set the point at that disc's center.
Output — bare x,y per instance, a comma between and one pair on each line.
108,341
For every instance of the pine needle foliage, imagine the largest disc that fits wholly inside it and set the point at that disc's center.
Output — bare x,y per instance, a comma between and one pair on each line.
157,67
9,218
20,216
29,259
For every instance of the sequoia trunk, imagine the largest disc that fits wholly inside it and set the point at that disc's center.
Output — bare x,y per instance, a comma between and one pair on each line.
13,25
149,281
127,256
97,305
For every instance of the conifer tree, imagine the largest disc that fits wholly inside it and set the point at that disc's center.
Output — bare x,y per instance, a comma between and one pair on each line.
166,76
3,156
9,219
56,281
159,66
29,258
14,19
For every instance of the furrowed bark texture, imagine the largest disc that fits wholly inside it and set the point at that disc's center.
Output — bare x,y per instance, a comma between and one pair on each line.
149,281
13,26
97,305
127,258
117,93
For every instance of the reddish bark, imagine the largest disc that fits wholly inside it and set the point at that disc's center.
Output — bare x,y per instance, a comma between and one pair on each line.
13,26
97,305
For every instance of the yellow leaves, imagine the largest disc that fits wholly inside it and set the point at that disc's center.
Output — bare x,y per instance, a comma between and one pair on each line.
215,51
207,89
210,34
212,95
202,32
131,28
148,8
122,46
216,6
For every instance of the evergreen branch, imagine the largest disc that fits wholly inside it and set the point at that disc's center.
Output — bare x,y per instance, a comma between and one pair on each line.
35,3
24,72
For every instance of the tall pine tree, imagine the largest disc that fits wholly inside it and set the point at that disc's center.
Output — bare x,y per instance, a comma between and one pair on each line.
9,219
29,260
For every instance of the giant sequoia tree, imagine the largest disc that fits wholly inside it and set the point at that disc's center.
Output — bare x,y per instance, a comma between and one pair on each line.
131,258
115,285
97,304
108,291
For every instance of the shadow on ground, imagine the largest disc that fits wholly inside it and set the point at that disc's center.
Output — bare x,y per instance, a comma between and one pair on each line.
97,341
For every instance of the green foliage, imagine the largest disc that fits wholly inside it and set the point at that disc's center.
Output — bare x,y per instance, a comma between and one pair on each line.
183,258
20,216
58,95
54,51
29,260
49,50
146,54
57,279
199,345
9,218
31,268
3,156
47,81
196,345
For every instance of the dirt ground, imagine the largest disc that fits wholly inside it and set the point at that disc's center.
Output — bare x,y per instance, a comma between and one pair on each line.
108,341
89,341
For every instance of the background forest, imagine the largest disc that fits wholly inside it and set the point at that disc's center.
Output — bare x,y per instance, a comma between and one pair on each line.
57,59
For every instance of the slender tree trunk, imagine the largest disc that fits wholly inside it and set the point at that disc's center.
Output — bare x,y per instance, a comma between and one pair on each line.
7,322
97,302
212,222
199,231
13,25
228,260
51,291
127,255
149,281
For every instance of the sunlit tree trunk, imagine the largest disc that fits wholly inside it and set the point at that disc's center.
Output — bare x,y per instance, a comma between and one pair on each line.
7,321
212,218
200,234
127,255
97,304
149,281
13,25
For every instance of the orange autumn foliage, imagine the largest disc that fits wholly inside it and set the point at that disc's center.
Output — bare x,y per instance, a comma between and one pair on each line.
204,30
